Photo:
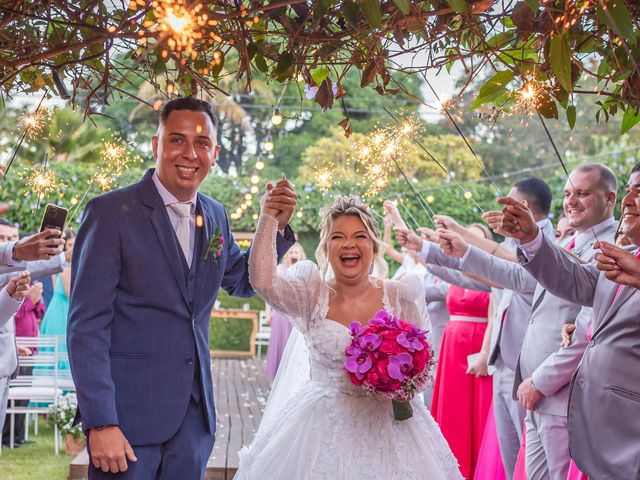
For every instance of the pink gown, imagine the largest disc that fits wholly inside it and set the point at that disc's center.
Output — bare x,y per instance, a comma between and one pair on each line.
489,466
461,402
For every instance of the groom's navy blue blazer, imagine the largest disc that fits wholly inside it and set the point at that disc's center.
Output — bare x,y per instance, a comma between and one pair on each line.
139,316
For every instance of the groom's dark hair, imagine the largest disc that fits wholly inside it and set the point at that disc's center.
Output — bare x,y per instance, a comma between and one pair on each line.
188,103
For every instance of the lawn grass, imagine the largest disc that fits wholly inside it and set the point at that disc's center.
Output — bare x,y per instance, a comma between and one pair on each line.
35,462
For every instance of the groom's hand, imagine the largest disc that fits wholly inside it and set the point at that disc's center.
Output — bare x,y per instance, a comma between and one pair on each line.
282,197
110,450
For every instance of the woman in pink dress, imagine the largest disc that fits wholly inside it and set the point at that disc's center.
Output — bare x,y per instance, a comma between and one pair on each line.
280,326
461,401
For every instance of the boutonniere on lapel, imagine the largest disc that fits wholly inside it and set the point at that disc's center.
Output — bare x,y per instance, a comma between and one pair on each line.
216,243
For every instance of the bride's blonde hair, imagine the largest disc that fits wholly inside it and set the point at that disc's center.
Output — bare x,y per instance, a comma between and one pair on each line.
349,205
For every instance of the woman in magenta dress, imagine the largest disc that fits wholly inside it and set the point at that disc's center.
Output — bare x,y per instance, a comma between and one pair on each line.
280,326
461,401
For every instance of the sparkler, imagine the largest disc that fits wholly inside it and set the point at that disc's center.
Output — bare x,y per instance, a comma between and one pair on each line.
442,167
42,181
180,25
32,123
529,97
455,124
324,178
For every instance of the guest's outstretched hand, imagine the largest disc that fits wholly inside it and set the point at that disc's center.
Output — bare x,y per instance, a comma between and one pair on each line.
280,201
618,265
494,219
18,286
392,212
40,246
445,222
452,243
427,234
517,221
408,239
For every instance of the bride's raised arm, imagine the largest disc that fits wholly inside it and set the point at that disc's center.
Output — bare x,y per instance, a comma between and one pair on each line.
294,293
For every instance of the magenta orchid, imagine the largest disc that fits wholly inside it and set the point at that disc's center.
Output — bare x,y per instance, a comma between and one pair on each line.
400,365
358,363
412,340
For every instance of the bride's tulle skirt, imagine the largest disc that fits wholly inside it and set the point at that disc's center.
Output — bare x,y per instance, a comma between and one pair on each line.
325,433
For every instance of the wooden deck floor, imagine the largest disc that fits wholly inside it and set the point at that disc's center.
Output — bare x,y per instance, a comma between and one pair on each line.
241,392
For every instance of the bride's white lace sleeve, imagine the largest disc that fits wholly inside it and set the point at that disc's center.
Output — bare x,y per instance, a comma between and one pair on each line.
410,296
294,293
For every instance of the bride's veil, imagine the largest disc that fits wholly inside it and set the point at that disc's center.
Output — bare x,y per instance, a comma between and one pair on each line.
293,373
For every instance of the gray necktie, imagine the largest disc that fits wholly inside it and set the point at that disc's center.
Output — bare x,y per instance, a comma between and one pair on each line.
183,210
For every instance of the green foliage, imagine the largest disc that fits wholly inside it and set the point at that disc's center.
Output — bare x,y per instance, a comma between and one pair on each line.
37,461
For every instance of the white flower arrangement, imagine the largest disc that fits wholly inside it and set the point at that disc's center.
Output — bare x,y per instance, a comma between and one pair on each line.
62,413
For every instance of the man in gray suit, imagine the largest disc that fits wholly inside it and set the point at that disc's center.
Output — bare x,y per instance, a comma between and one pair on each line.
10,300
510,315
41,246
544,370
604,399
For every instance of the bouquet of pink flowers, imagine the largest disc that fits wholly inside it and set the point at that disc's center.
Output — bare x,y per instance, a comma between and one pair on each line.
390,357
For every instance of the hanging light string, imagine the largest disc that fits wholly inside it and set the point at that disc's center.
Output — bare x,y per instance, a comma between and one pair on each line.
464,138
443,168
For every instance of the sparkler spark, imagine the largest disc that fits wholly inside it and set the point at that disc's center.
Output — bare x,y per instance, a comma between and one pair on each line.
103,180
529,97
117,158
179,24
32,123
42,181
324,178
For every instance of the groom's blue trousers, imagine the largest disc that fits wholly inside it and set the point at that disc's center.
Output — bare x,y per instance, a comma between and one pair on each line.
183,457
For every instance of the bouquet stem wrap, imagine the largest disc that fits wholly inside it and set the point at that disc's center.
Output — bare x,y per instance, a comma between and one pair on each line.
401,410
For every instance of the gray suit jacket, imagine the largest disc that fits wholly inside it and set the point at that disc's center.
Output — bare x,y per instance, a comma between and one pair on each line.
38,269
8,354
604,426
541,356
435,294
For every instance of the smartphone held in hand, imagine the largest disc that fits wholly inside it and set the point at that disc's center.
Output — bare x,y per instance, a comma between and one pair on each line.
54,217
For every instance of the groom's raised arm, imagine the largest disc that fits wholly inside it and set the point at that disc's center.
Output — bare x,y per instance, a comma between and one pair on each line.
95,276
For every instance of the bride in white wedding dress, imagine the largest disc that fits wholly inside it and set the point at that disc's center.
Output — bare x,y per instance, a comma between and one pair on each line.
323,427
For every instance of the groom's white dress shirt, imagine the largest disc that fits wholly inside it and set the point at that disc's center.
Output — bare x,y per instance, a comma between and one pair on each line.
169,199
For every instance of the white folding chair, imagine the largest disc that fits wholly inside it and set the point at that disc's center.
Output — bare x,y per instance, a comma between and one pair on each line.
264,332
41,386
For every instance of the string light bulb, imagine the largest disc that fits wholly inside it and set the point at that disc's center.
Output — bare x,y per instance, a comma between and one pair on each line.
259,165
276,118
268,144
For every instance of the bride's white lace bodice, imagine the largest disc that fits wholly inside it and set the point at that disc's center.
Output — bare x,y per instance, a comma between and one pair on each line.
303,296
318,425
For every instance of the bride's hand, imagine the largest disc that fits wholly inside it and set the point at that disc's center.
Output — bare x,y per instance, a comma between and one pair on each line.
263,203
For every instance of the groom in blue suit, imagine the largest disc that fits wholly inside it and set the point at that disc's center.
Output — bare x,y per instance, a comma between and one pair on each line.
148,262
